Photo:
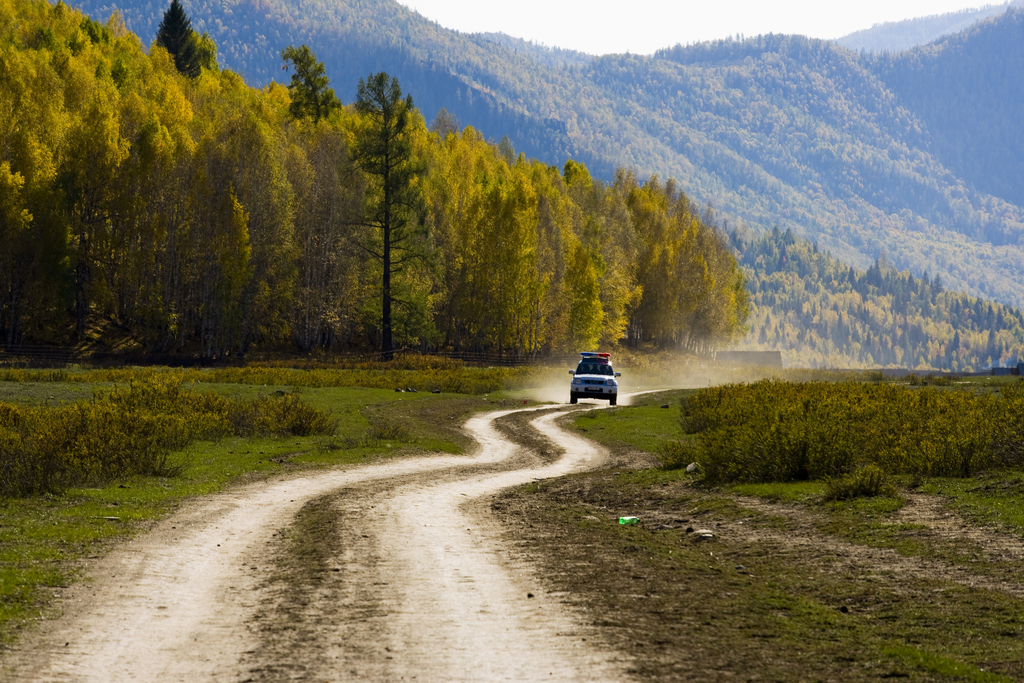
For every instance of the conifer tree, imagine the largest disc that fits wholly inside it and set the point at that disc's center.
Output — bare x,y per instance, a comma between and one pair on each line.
395,210
309,92
177,37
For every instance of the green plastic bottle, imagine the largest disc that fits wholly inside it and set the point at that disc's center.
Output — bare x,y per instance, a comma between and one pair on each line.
628,520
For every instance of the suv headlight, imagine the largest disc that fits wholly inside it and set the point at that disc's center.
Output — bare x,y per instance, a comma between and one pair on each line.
610,382
577,381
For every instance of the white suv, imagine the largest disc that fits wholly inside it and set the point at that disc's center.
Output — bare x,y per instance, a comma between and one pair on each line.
594,378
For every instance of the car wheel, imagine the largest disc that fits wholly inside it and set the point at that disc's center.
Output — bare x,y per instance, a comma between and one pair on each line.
573,399
611,401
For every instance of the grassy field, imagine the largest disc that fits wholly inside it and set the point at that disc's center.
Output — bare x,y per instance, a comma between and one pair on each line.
924,584
43,538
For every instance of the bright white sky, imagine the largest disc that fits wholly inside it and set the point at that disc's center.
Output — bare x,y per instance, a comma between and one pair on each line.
643,26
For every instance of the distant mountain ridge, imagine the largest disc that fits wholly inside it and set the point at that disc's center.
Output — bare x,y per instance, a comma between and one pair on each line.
862,154
542,54
895,36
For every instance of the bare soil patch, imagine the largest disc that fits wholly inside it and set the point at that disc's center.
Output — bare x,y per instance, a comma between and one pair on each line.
774,592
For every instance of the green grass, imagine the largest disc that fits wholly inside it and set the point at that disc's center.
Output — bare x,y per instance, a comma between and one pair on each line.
782,492
357,408
421,374
35,393
993,498
872,521
644,425
940,665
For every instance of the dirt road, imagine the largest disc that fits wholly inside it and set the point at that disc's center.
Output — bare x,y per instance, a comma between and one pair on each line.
392,571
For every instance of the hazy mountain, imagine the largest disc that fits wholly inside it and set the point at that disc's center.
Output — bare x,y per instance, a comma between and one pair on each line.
894,36
912,156
542,54
968,92
486,84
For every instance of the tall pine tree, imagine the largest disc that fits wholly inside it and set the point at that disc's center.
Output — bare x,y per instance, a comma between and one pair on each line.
177,37
395,209
309,92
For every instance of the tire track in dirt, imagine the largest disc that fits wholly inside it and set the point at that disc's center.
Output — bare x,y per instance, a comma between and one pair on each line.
933,512
454,587
177,603
927,511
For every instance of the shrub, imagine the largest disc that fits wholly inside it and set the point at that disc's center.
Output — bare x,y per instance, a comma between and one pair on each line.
132,430
780,431
675,455
930,379
1008,433
868,481
383,429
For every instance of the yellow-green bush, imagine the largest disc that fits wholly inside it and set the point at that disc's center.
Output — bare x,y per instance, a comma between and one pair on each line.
782,431
677,454
870,480
131,430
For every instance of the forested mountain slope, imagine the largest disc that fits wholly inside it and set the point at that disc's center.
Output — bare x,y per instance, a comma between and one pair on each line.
968,92
894,36
774,130
822,313
487,85
542,54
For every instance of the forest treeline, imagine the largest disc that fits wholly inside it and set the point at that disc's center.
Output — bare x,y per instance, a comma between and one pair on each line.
823,313
201,215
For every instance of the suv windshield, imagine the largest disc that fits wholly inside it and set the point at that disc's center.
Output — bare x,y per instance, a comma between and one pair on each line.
594,369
